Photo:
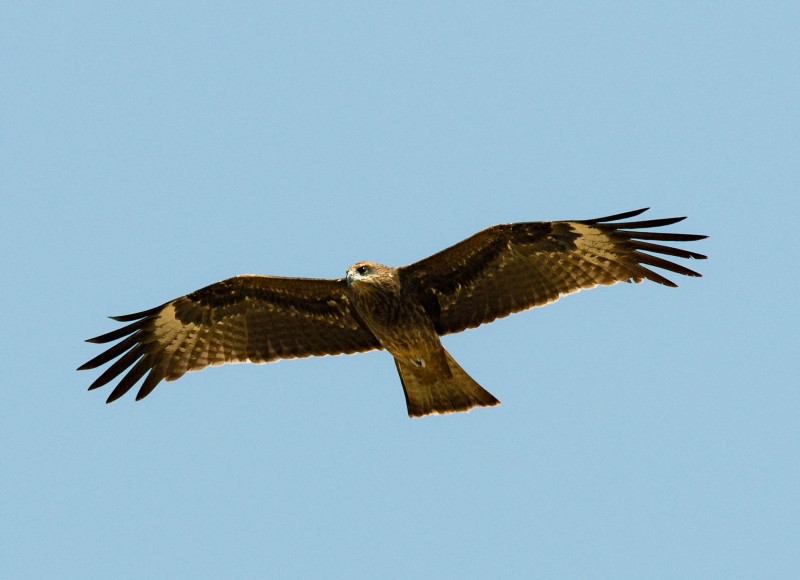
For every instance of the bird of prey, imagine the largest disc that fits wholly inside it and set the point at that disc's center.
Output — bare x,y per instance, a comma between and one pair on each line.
500,270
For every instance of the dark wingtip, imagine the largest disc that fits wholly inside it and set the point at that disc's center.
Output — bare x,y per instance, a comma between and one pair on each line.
137,315
113,397
615,217
125,317
98,383
117,334
656,223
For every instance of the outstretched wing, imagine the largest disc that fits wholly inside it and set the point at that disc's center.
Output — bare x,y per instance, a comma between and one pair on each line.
513,267
245,318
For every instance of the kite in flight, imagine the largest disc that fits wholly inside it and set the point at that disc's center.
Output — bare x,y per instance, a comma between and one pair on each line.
500,270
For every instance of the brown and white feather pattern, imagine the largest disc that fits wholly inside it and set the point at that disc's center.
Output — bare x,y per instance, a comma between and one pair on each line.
242,319
513,267
498,271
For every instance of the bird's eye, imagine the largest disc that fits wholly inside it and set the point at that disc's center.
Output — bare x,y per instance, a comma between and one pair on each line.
361,270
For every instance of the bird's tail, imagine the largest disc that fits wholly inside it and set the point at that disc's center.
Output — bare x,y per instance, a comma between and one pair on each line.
428,393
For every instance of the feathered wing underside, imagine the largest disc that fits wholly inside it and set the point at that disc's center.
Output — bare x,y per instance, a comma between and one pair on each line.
245,318
513,267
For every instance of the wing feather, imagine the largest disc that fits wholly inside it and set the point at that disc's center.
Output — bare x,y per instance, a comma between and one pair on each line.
111,353
668,250
617,216
136,372
513,267
245,318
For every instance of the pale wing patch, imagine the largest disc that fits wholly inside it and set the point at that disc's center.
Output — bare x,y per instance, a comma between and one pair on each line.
188,346
599,259
176,339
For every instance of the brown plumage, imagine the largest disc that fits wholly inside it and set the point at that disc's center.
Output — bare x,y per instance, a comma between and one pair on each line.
498,271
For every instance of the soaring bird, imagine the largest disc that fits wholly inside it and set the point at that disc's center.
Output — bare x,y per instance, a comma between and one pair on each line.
500,270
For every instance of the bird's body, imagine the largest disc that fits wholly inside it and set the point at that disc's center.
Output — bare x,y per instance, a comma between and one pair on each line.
498,271
432,380
396,319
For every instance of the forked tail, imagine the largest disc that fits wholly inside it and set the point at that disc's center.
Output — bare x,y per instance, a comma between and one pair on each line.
428,393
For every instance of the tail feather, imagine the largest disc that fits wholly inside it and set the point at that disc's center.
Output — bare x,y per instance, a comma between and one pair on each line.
428,393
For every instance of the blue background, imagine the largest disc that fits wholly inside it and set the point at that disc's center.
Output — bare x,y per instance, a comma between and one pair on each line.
149,149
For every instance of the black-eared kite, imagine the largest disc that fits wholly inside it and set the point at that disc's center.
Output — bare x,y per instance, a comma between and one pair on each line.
500,270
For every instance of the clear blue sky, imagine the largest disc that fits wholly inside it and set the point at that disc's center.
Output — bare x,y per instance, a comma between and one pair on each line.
149,149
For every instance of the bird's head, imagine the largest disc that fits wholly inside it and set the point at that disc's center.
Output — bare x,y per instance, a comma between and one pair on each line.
368,272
